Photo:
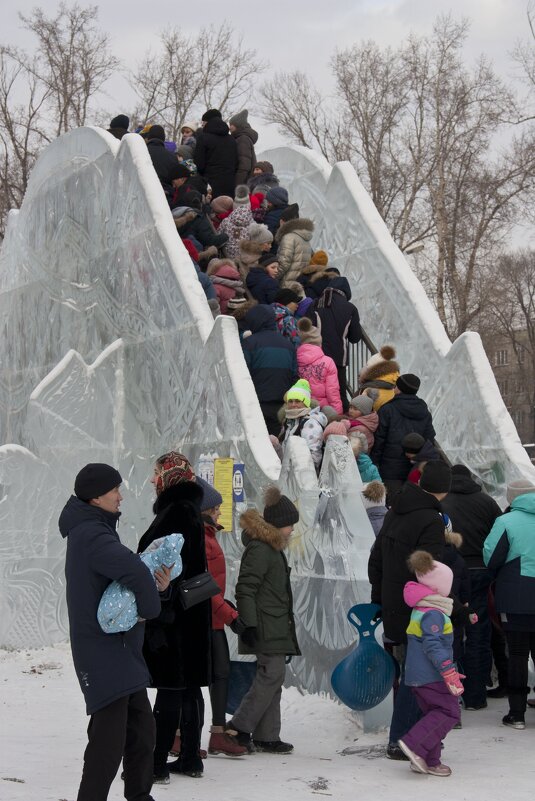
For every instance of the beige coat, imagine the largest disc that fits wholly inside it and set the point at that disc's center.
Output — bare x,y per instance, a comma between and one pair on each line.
294,251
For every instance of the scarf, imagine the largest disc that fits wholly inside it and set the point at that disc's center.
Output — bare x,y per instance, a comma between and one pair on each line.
294,414
439,602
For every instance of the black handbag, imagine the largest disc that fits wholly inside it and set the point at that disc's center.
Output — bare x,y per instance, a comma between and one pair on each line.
196,589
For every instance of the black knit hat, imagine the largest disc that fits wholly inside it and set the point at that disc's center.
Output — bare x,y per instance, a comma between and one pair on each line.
460,470
178,171
279,511
436,477
285,296
411,443
408,383
95,480
156,132
120,121
269,258
210,114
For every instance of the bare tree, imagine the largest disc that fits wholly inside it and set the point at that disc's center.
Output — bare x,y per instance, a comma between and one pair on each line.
421,129
190,74
72,62
22,131
511,314
47,92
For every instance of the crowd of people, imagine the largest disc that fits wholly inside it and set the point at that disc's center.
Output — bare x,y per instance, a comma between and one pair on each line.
453,576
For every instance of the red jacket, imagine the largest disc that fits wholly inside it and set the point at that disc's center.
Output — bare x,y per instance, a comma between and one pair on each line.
222,613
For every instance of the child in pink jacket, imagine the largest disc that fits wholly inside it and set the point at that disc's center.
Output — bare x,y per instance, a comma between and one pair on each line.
362,416
226,280
318,369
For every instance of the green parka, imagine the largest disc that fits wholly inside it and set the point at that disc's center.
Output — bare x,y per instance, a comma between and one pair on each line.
263,591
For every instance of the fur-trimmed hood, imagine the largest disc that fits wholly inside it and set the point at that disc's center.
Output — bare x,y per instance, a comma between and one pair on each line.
302,227
379,370
215,268
243,309
318,273
454,538
311,269
251,248
256,528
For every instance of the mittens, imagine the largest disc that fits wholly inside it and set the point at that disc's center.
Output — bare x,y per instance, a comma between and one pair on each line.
248,636
238,626
453,681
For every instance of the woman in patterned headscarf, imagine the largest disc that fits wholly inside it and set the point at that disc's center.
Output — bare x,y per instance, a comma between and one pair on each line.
177,643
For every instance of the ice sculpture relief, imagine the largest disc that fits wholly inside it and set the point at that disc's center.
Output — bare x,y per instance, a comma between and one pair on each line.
109,352
472,423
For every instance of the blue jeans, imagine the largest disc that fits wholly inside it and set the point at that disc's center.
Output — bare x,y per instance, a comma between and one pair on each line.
406,710
477,662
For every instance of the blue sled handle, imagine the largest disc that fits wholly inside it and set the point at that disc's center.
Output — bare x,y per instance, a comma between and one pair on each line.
360,616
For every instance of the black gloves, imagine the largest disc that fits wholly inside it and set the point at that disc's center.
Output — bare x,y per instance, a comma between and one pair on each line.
248,636
238,626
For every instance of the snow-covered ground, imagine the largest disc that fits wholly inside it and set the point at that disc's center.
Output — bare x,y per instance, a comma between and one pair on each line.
42,738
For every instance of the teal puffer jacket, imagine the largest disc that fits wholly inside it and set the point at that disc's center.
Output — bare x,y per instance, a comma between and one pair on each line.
509,551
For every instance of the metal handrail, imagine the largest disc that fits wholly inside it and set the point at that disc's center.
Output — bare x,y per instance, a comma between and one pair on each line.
358,355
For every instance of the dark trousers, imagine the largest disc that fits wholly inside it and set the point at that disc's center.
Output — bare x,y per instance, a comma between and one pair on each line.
406,711
177,709
520,644
440,712
477,662
269,411
259,712
342,380
499,653
122,730
220,677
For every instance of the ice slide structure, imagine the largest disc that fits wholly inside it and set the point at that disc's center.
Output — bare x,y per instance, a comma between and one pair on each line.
110,353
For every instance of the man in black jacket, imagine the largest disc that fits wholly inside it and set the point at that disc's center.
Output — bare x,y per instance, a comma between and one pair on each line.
110,667
413,523
405,414
216,154
472,513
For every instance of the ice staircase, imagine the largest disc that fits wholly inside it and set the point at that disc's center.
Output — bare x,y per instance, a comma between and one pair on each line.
109,353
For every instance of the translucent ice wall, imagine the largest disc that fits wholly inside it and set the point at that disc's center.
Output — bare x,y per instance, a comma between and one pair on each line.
472,423
110,353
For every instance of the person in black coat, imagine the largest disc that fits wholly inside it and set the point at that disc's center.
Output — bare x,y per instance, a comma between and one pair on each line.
472,513
177,643
339,324
163,161
272,362
110,667
216,154
262,282
316,284
414,522
404,414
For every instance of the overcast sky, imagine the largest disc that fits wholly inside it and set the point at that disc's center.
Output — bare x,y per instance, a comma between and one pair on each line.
290,34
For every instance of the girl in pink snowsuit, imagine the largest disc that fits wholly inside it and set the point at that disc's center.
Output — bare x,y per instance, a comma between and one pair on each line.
318,369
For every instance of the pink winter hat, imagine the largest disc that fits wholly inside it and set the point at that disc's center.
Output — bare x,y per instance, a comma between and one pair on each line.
340,427
435,575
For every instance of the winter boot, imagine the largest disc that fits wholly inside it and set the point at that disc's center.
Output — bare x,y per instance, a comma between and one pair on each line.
223,742
242,737
513,721
273,746
187,766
